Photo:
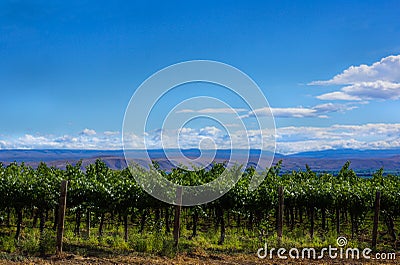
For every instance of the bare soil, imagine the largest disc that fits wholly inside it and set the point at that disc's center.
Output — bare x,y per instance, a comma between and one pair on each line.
190,259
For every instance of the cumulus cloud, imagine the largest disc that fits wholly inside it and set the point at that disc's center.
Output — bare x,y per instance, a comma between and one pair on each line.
381,80
208,137
87,131
187,138
73,141
386,69
289,139
367,136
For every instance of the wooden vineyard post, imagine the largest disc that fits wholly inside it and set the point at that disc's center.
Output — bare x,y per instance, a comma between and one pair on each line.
337,221
177,218
61,215
88,216
280,213
376,218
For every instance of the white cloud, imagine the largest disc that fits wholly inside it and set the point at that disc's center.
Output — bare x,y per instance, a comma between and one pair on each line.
365,91
318,111
111,132
231,125
212,111
381,80
207,136
209,131
387,69
79,141
367,136
132,141
370,90
288,139
293,112
87,131
337,95
3,144
331,107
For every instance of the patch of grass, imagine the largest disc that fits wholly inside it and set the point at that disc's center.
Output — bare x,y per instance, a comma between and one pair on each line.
151,242
8,244
11,257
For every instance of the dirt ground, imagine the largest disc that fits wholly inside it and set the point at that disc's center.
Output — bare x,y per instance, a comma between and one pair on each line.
191,259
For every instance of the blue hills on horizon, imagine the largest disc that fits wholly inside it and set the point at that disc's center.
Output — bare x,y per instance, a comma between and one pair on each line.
326,160
350,153
38,155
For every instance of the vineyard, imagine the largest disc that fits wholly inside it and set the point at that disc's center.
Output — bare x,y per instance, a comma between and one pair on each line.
107,210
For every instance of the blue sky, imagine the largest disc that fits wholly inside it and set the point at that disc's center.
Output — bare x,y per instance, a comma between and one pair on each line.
330,70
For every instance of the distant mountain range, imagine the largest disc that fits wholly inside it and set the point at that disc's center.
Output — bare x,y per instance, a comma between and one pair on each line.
362,161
